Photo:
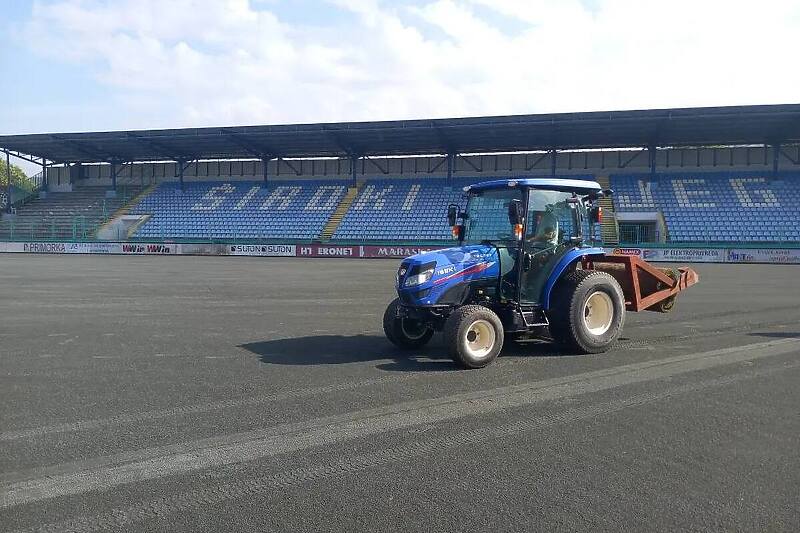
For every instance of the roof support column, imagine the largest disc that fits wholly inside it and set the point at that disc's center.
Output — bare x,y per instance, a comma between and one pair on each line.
651,153
553,162
776,152
113,175
44,178
264,165
353,169
450,167
8,182
181,164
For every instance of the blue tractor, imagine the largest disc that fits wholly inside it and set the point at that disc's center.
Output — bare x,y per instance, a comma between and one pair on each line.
527,266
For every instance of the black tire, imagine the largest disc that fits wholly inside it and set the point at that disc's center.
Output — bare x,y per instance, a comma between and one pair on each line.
404,333
463,330
570,313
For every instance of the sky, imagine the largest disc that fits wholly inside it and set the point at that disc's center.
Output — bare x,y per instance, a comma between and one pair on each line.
88,65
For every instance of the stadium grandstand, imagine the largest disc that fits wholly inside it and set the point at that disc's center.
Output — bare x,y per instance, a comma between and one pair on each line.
680,176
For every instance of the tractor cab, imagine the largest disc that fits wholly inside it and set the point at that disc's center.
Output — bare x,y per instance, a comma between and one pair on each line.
532,223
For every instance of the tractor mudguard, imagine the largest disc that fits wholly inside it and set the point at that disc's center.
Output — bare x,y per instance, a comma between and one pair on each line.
566,260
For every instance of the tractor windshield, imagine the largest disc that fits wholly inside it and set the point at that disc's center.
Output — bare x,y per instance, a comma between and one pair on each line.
487,216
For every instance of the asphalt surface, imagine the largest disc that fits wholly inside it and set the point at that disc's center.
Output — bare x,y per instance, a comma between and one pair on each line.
246,394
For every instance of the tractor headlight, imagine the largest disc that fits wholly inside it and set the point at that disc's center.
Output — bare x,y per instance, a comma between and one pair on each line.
424,274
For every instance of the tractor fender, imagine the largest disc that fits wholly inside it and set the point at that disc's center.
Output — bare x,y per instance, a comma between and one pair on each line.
566,260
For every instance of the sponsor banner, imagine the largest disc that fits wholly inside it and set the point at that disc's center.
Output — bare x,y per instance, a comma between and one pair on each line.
261,250
675,255
692,255
41,247
93,248
322,250
764,255
11,247
638,252
61,247
149,249
202,249
395,252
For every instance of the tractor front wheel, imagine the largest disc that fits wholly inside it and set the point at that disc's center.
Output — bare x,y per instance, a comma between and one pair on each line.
588,311
405,333
474,336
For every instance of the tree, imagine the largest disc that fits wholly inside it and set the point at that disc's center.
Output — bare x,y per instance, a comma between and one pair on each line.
18,177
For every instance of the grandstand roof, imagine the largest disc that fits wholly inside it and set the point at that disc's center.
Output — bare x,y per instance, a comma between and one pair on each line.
762,124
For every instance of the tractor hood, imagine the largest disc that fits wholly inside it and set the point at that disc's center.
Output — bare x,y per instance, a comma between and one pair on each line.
435,278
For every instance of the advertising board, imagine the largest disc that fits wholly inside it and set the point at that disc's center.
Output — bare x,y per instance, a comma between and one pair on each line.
395,252
261,250
764,255
676,255
324,250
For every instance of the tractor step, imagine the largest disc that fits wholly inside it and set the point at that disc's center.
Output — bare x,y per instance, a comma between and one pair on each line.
534,318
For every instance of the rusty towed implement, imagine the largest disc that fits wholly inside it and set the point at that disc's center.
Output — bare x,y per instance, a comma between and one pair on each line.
646,287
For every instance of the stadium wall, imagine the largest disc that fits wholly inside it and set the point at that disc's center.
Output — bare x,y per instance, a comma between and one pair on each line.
734,254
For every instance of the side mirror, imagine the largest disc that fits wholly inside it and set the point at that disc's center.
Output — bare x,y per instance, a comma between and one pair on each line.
595,214
452,214
515,212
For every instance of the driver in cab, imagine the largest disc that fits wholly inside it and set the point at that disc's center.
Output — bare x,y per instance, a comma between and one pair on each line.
546,230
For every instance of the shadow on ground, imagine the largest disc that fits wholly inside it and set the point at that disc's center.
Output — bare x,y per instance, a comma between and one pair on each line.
341,349
776,334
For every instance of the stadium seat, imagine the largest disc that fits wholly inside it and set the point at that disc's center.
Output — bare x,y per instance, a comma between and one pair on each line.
240,210
715,206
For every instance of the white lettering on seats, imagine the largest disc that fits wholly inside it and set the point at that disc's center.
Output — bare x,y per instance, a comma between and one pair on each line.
214,197
334,193
645,197
370,194
282,196
768,197
411,197
683,196
247,197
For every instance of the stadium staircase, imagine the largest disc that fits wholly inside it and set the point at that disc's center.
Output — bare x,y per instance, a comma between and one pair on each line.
609,230
63,215
337,216
126,208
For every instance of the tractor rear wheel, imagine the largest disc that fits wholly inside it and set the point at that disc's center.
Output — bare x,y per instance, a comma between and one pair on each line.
588,311
474,336
405,333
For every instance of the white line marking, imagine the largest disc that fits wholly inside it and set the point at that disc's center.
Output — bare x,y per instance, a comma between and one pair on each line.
108,472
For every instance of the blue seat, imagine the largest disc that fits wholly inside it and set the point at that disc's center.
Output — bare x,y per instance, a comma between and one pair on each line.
715,206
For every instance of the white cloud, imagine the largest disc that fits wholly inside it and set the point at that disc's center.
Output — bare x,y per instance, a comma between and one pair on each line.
210,62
